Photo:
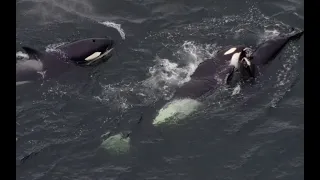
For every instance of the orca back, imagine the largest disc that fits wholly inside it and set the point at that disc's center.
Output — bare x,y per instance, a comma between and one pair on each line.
210,67
269,49
195,88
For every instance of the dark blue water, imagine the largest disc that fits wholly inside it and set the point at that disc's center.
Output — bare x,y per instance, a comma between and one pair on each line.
255,134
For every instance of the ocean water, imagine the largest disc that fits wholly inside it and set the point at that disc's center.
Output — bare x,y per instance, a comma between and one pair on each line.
101,124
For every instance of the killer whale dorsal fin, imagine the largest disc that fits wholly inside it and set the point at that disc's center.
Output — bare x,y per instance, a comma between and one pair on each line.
33,53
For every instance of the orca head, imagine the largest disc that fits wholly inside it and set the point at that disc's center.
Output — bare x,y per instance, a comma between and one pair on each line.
246,69
245,65
240,66
93,51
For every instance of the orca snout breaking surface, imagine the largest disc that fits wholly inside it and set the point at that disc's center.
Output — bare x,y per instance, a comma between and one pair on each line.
90,51
43,65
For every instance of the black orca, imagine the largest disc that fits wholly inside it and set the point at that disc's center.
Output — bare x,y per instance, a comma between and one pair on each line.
220,70
45,65
212,72
250,68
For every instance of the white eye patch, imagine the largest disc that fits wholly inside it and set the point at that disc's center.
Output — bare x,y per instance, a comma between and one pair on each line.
230,51
235,60
93,56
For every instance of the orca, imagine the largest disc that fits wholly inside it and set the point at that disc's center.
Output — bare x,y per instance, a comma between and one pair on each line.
220,70
264,53
45,65
212,72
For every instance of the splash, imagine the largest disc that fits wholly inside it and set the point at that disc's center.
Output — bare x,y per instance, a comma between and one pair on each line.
53,47
268,34
166,74
163,77
116,26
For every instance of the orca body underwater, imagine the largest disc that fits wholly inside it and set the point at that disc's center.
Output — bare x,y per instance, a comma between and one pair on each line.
45,65
220,70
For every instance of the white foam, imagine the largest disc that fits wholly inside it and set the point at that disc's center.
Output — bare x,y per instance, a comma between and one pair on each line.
165,73
268,34
53,47
116,26
236,90
163,77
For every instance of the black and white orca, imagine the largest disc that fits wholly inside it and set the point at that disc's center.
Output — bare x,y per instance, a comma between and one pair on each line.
45,65
220,70
212,72
252,66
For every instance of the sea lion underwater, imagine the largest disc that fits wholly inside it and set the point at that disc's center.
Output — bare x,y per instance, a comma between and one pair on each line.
220,70
44,65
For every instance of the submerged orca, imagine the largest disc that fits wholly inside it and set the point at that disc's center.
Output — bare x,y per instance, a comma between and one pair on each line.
85,52
221,69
